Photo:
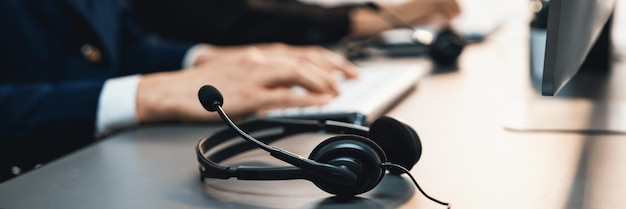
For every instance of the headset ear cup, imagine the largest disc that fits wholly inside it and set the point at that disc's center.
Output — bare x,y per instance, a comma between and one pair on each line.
447,47
400,142
359,154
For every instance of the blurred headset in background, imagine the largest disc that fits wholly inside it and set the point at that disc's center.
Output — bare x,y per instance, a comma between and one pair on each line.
442,45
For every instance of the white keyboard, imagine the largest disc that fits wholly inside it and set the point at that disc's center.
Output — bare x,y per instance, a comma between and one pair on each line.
376,89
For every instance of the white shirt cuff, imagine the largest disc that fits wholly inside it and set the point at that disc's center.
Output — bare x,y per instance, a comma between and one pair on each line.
194,52
117,104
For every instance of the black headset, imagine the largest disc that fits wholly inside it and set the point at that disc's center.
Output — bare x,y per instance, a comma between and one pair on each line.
350,163
444,48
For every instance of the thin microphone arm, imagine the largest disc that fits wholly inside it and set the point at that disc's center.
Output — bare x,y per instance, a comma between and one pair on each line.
240,132
332,173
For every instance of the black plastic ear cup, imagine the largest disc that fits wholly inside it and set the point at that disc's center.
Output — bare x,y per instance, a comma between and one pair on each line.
358,154
447,47
400,142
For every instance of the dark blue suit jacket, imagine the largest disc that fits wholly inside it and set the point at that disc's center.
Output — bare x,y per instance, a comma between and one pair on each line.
50,78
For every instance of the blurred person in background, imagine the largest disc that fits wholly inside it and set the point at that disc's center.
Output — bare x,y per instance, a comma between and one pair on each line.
234,22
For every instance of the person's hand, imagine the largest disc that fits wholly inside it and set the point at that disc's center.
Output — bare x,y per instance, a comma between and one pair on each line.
413,12
250,79
420,12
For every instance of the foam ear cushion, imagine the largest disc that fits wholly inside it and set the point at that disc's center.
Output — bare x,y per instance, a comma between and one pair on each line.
400,142
360,155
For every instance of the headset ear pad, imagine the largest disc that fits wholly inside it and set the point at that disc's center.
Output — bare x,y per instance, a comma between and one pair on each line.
447,47
400,142
358,154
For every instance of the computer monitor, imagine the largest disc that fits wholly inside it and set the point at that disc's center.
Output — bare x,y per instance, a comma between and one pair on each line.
579,85
578,34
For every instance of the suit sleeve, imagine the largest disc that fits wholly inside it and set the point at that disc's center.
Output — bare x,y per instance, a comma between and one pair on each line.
42,121
49,108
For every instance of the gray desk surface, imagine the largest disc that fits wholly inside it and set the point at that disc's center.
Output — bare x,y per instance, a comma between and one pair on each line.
469,159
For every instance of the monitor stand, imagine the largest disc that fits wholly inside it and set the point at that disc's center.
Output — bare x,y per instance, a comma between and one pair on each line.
594,101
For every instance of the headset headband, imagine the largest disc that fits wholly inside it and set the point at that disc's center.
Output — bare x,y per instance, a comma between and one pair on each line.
272,130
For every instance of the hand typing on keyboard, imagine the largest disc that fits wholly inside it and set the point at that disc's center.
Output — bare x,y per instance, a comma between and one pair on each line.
376,88
251,78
